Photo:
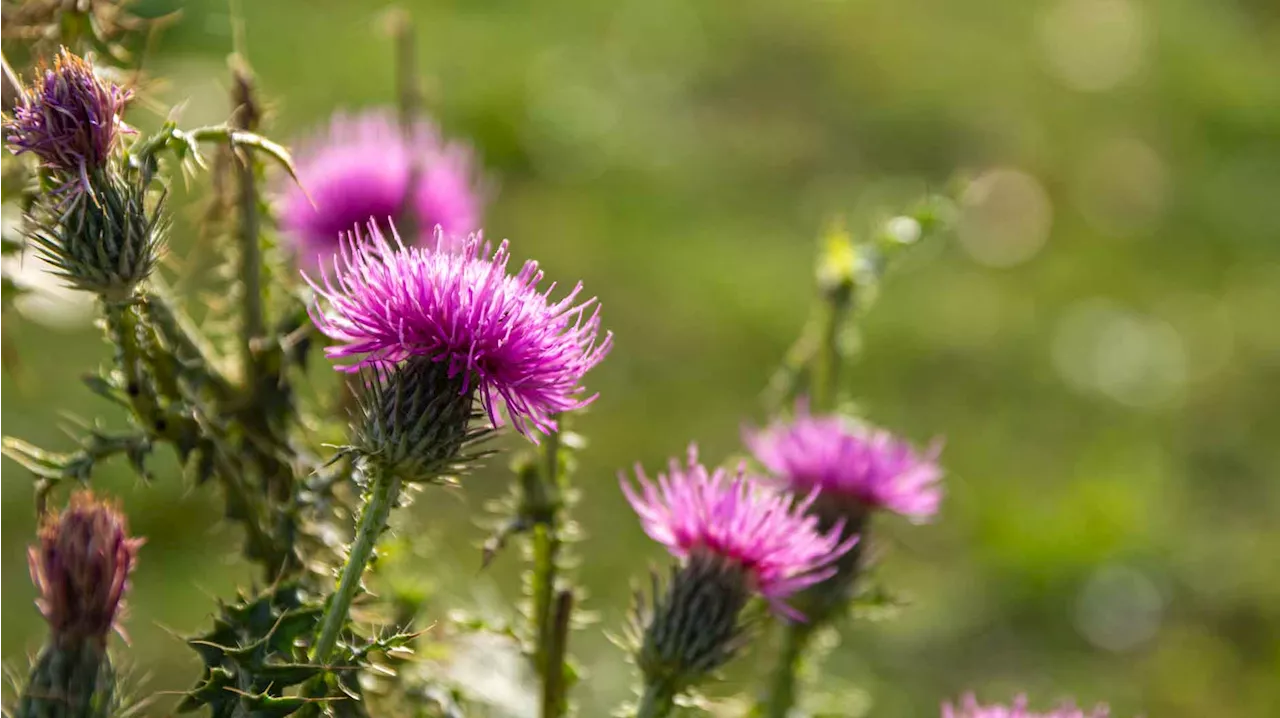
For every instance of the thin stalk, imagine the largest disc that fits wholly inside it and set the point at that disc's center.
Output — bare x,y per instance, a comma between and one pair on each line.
252,318
782,685
408,106
657,701
553,688
831,353
384,489
546,549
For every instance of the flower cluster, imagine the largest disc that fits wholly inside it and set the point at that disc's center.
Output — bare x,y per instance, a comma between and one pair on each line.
368,168
844,460
970,708
385,302
739,519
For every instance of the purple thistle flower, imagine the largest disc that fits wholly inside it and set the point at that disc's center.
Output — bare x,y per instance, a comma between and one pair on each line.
969,708
831,454
386,302
69,118
740,520
81,567
362,170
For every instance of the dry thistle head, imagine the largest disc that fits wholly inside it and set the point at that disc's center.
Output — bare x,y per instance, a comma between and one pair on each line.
81,564
69,118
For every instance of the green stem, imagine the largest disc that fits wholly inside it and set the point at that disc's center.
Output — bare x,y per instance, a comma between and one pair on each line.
782,685
543,498
408,101
252,319
122,327
831,350
657,701
553,687
383,492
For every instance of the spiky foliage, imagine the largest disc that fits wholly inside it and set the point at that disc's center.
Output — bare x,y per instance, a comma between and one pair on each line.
252,655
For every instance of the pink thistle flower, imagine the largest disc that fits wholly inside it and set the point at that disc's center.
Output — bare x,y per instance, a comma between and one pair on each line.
363,169
833,455
969,708
740,520
385,302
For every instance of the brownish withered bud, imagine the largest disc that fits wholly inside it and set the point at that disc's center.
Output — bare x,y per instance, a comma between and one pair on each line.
81,564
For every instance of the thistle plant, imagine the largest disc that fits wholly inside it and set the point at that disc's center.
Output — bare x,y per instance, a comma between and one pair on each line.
455,325
370,247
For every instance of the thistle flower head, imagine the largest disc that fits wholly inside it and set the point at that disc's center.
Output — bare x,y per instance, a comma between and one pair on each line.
742,522
69,118
969,708
505,339
367,168
81,565
843,460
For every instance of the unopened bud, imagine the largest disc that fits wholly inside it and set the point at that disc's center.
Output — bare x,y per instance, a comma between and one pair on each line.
80,565
103,240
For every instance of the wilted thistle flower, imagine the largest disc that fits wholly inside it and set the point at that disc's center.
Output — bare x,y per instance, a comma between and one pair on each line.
80,565
69,118
367,168
969,708
869,468
502,337
736,538
414,419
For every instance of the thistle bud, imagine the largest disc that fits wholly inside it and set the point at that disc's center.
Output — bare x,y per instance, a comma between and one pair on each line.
694,629
81,567
103,240
414,419
69,118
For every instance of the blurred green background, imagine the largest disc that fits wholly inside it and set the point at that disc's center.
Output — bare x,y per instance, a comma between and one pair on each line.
1098,342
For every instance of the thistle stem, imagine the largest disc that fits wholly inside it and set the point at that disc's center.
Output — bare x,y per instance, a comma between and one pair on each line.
408,102
553,687
252,319
657,701
384,489
543,497
831,352
782,685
